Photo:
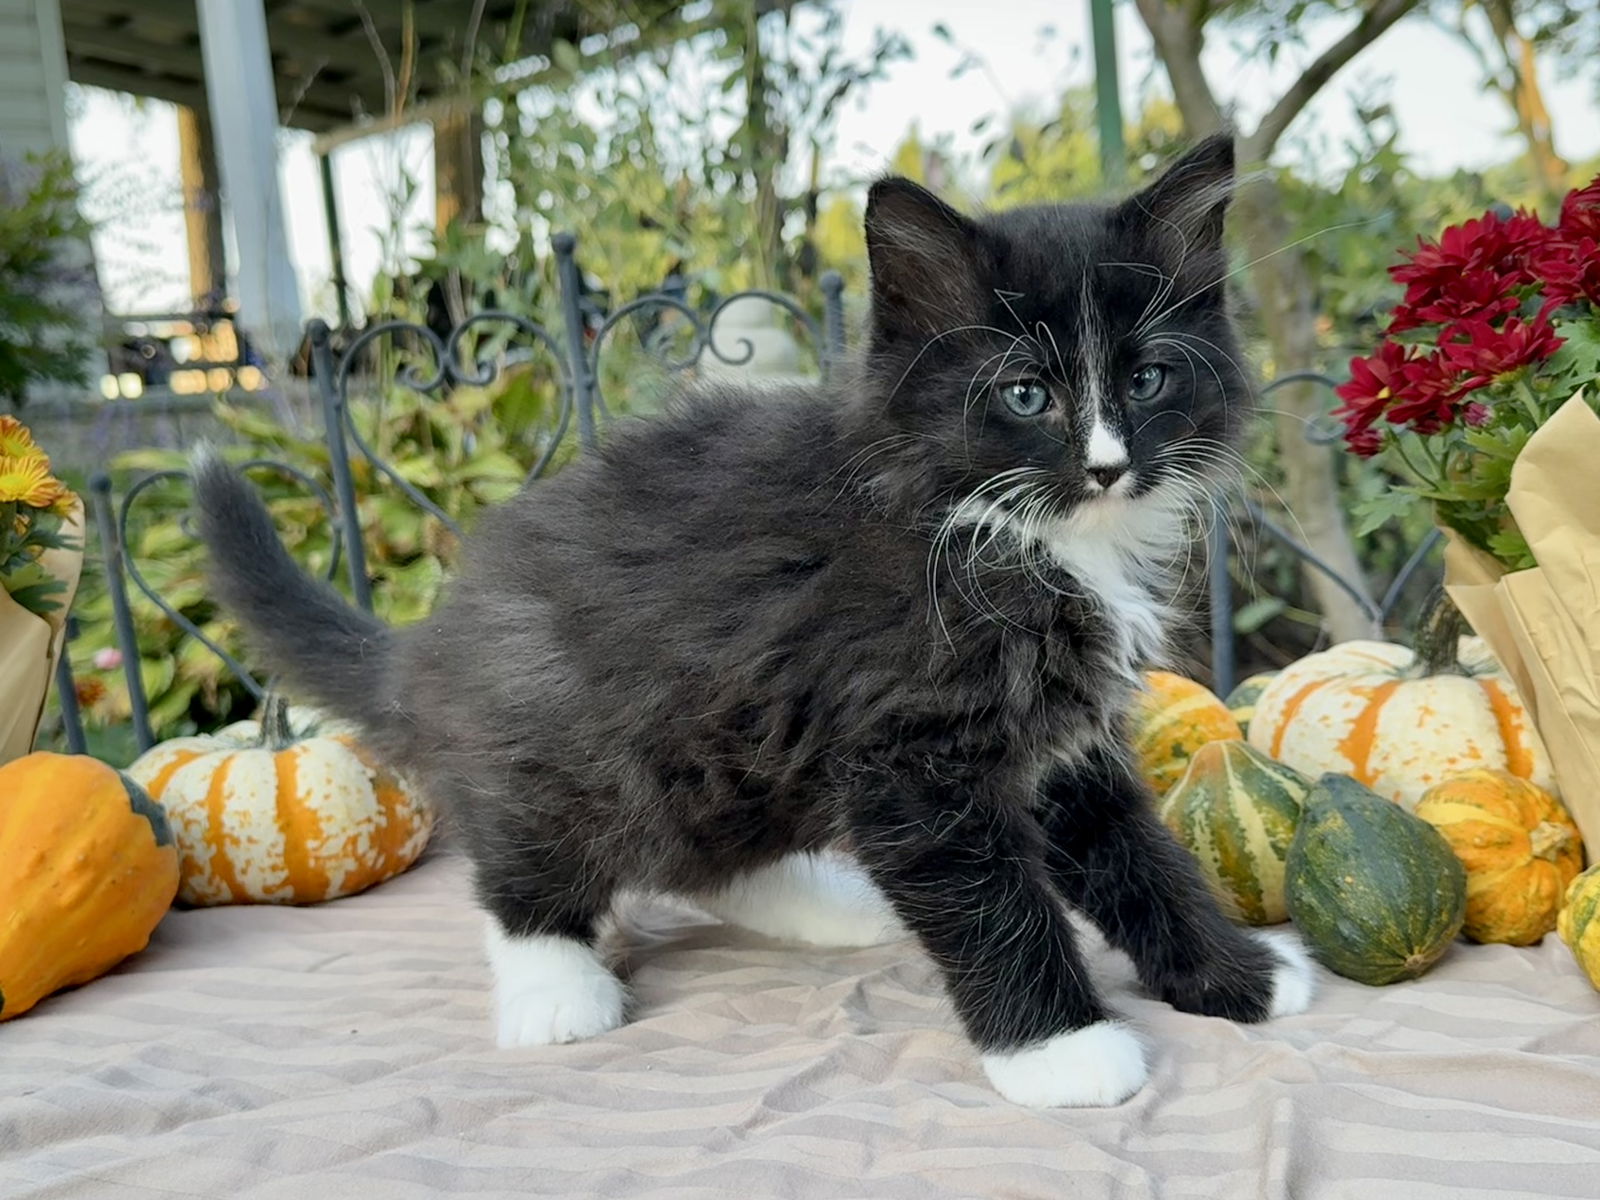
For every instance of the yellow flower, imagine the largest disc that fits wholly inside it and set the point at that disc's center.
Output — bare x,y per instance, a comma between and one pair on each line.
28,481
16,441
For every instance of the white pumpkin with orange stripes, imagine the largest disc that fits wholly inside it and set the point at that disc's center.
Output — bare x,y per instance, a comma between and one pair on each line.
1370,710
290,810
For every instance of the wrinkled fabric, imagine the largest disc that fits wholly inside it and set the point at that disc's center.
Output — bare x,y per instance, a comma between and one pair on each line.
346,1051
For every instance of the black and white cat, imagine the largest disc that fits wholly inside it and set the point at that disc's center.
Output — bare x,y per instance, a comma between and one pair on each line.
903,613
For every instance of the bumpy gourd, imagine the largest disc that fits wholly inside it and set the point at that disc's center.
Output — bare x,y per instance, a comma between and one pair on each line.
1579,922
1519,846
1172,718
90,868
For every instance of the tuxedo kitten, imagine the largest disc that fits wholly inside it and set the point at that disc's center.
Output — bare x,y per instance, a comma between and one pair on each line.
902,612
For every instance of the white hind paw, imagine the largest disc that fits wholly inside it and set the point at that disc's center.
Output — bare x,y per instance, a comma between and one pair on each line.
1096,1066
551,989
1294,979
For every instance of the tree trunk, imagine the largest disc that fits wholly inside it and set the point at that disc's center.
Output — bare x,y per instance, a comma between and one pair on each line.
1285,297
1526,98
1282,284
764,152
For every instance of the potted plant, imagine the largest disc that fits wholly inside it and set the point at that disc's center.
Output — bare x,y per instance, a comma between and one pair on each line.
41,553
1483,395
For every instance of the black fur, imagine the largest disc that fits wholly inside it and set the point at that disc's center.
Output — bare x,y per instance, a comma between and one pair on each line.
753,626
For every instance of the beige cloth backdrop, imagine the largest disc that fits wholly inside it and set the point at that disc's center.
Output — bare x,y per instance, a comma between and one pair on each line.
341,1051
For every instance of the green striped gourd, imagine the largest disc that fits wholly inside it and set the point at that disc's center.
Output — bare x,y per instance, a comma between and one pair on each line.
1236,811
1241,701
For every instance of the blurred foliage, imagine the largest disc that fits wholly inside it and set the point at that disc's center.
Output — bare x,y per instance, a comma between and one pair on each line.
464,449
691,163
46,285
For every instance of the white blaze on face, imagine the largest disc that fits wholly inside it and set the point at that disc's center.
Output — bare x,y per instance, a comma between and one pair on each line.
1105,447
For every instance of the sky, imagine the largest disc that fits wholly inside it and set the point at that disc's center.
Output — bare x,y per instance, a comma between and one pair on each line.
128,153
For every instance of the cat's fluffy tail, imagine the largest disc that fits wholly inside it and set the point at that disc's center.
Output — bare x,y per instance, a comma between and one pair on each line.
301,629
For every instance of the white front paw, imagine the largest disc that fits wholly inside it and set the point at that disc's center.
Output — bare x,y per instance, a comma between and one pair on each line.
551,989
565,1012
1294,979
1099,1065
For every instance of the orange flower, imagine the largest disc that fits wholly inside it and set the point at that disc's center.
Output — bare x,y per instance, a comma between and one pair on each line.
16,441
28,481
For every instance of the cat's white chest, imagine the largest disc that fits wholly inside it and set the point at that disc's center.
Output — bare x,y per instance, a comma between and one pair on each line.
1107,565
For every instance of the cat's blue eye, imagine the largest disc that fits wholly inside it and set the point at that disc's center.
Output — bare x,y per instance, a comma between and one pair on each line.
1146,382
1026,397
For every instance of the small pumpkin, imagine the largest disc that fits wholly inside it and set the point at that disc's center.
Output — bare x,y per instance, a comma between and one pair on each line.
1172,718
1241,701
1370,710
90,868
1376,892
1236,810
276,812
1579,922
1520,848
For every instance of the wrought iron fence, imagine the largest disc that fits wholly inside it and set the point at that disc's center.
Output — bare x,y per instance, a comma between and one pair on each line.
576,353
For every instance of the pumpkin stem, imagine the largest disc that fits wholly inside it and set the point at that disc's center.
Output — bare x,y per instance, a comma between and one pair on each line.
1438,637
1550,840
276,731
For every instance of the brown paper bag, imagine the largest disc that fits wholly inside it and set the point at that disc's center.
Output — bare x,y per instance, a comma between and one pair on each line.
1544,624
30,646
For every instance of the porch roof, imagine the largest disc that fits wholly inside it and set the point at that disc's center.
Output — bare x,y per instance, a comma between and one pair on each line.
327,70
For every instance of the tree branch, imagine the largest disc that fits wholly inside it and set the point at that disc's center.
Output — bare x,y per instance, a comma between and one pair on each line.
1178,34
1374,22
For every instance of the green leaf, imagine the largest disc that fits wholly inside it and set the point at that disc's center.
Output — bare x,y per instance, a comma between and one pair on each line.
1505,443
565,55
1578,359
1258,612
157,674
1372,514
39,598
1511,548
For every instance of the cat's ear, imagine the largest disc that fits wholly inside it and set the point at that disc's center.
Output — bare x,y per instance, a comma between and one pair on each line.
1183,210
925,262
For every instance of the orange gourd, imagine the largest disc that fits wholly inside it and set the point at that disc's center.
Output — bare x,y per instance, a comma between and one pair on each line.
1519,846
1172,718
278,813
90,868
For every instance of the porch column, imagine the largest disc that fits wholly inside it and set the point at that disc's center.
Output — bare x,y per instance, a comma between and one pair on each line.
244,118
202,209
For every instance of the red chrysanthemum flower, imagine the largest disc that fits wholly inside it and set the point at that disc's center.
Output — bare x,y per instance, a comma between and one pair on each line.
1429,393
1363,442
1476,293
1371,388
1580,212
1487,248
1569,271
1483,353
